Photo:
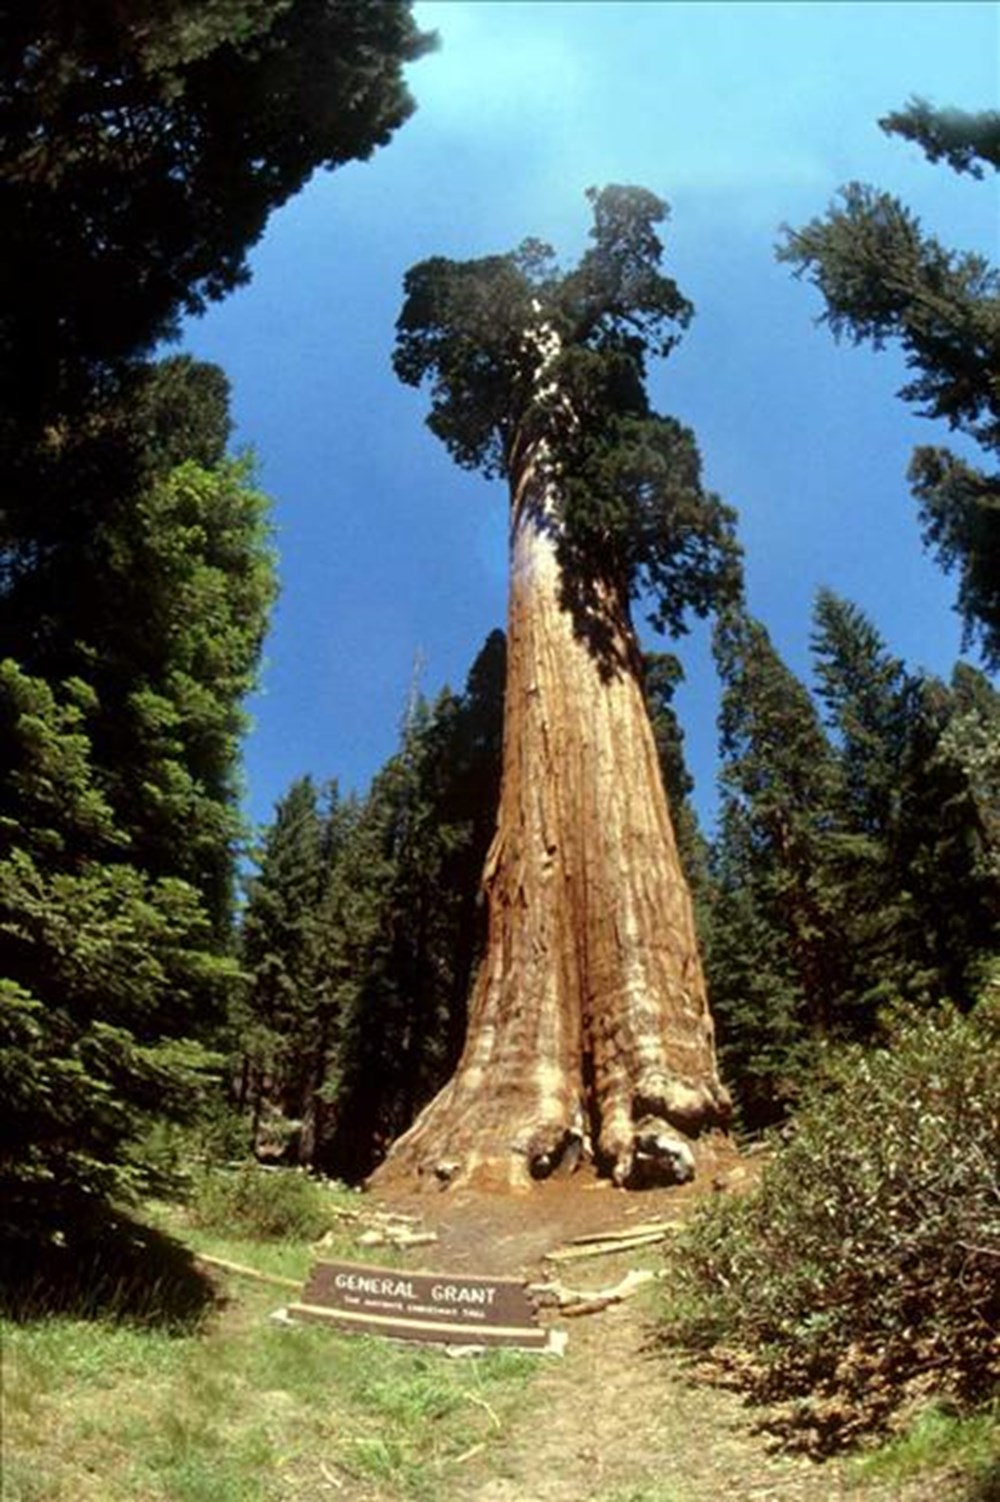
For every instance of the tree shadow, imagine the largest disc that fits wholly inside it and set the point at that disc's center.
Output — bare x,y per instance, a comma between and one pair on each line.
596,604
602,630
984,1486
89,1260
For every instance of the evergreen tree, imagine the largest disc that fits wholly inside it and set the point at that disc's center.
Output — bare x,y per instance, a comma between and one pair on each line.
871,703
776,957
281,1019
948,837
153,585
110,975
118,774
144,149
884,278
662,675
417,931
575,1036
849,873
362,926
909,851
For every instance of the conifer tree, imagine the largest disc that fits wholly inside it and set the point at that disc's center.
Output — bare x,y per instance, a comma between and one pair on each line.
776,957
884,278
118,772
588,1022
110,975
280,1016
417,931
143,149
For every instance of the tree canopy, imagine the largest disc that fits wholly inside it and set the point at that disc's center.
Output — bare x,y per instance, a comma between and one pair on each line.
633,508
144,147
884,278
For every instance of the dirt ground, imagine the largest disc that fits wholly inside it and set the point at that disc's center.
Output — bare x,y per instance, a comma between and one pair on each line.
616,1418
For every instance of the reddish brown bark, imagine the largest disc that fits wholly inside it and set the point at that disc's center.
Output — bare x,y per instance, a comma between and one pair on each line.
589,1025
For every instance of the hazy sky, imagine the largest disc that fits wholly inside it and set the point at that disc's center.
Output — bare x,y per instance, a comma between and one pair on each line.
744,117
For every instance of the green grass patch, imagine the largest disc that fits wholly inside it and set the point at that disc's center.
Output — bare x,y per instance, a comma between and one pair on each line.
236,1408
940,1440
265,1204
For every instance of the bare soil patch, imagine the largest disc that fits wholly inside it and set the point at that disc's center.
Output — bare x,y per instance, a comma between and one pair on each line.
617,1418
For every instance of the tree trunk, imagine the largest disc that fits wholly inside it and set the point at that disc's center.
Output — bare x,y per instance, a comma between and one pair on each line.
589,1028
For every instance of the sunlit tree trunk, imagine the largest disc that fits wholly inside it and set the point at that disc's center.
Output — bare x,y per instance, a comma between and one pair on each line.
589,1028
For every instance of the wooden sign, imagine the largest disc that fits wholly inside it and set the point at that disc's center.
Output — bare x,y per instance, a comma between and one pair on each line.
435,1307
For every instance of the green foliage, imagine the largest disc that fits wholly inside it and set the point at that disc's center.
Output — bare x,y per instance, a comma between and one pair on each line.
883,278
965,141
941,1440
518,353
286,1015
261,1203
360,934
413,933
863,1269
138,619
661,676
856,864
123,148
147,576
774,957
107,970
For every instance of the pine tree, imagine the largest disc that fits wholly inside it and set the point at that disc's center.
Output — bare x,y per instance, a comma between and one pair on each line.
415,928
143,150
110,975
280,1023
777,954
883,278
118,770
908,851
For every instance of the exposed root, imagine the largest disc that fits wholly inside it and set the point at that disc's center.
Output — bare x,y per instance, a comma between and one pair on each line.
484,1155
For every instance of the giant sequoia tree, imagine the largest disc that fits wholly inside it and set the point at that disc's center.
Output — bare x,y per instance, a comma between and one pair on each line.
588,1022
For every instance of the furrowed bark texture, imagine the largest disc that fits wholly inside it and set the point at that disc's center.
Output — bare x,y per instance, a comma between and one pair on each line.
589,1027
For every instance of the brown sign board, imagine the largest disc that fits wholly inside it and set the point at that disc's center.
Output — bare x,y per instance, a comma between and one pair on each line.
433,1307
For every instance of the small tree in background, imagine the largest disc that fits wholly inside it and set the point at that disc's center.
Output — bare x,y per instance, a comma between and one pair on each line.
776,954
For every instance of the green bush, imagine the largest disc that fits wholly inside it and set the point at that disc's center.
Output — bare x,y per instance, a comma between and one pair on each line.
267,1204
862,1274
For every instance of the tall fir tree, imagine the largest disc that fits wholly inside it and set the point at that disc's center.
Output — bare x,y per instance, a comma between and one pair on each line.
884,279
119,769
776,954
361,929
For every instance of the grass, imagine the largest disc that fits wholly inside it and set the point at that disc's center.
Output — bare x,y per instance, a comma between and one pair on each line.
226,1405
940,1441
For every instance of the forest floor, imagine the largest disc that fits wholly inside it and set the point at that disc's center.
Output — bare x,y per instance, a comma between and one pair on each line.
245,1405
617,1418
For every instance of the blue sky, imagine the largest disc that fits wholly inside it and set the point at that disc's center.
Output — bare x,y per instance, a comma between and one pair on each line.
743,116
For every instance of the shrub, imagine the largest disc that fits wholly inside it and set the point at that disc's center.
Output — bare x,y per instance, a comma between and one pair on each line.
863,1271
267,1204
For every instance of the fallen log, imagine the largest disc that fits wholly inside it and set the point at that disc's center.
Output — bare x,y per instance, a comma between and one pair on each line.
604,1248
401,1238
574,1301
242,1271
627,1233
